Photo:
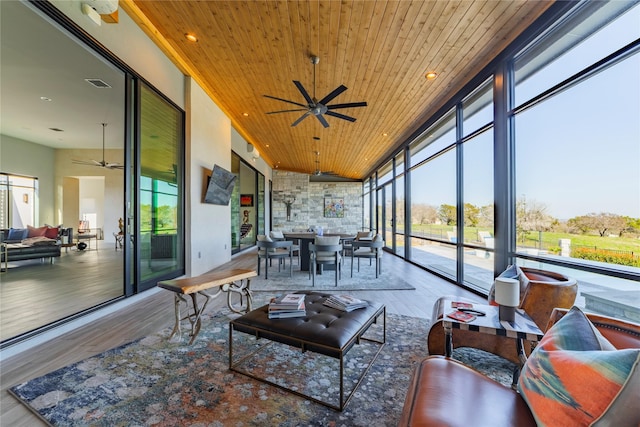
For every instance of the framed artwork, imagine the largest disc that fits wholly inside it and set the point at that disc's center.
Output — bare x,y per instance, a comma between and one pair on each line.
333,207
246,200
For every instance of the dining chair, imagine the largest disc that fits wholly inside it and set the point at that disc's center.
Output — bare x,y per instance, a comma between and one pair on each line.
279,236
269,249
325,251
368,249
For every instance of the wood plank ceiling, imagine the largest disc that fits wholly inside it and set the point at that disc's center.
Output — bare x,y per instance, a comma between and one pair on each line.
380,50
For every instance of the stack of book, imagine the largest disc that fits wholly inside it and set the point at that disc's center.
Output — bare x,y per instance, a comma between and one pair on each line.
344,302
290,305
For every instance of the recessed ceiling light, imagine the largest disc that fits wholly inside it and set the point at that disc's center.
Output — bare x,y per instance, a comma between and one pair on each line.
267,145
431,75
191,37
44,98
385,134
245,114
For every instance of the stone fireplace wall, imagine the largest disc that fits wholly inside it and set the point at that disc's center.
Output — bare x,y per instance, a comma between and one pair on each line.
307,207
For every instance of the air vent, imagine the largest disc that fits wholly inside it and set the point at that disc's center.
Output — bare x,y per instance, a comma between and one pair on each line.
97,83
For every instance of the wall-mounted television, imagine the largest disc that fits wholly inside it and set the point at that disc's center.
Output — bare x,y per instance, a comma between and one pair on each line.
220,186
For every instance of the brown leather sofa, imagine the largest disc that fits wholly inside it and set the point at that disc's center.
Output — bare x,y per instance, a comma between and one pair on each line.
545,291
444,392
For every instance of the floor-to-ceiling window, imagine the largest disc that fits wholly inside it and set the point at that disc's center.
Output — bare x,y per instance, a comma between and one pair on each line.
477,187
433,198
161,233
577,154
536,162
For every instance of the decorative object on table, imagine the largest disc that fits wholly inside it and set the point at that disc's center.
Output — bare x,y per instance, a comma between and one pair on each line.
290,305
345,302
507,297
333,207
82,246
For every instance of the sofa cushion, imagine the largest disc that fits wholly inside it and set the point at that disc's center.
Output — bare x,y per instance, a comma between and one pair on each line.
36,232
52,232
571,362
17,234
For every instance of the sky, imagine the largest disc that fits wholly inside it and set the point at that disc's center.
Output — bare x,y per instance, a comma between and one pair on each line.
577,152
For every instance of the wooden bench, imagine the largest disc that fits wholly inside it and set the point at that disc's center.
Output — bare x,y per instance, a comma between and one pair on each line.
232,282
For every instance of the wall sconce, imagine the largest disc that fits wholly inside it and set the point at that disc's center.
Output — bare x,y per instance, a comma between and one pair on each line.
253,151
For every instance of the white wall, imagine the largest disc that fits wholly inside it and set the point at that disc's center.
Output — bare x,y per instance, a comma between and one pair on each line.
112,192
209,143
26,158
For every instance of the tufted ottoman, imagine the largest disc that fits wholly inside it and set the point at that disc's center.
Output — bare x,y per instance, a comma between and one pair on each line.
323,330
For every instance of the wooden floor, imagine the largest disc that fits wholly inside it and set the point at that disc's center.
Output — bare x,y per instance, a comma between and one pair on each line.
156,312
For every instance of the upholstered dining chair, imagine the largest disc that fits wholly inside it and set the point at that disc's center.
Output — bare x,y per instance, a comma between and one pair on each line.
325,250
543,291
369,250
279,236
269,249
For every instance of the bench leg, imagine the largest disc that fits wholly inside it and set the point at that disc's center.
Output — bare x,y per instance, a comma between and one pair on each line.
244,290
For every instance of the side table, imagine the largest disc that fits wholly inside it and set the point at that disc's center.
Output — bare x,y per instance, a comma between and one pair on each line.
523,328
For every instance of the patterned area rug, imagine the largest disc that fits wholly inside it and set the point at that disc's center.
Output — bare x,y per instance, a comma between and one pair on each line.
160,383
279,281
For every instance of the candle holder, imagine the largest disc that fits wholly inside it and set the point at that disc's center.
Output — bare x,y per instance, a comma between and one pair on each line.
507,297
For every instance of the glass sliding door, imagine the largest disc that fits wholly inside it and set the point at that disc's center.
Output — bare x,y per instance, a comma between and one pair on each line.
248,203
160,236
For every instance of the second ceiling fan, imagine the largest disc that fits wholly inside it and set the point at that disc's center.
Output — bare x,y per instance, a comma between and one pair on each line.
315,107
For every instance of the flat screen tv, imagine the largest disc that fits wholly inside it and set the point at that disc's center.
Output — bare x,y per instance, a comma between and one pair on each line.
220,186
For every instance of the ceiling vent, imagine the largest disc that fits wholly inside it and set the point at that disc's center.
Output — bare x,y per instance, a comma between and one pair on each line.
98,83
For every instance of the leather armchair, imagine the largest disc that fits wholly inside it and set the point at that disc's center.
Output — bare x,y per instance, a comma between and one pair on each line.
545,291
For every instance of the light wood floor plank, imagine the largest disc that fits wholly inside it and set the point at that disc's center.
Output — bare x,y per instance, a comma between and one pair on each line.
156,312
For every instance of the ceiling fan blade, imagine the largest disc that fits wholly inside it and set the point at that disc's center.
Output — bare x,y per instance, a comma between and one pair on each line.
113,166
340,116
322,120
300,119
347,105
304,92
286,100
287,111
337,91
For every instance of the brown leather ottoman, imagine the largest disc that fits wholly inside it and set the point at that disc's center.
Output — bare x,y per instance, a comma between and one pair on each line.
323,330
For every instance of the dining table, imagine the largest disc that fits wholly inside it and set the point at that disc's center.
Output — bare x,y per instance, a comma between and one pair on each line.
309,237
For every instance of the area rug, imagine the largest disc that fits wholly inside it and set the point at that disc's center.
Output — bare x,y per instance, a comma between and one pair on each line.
365,280
160,383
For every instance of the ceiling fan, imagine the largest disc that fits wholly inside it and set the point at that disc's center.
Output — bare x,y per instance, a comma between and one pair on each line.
319,172
315,107
102,163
